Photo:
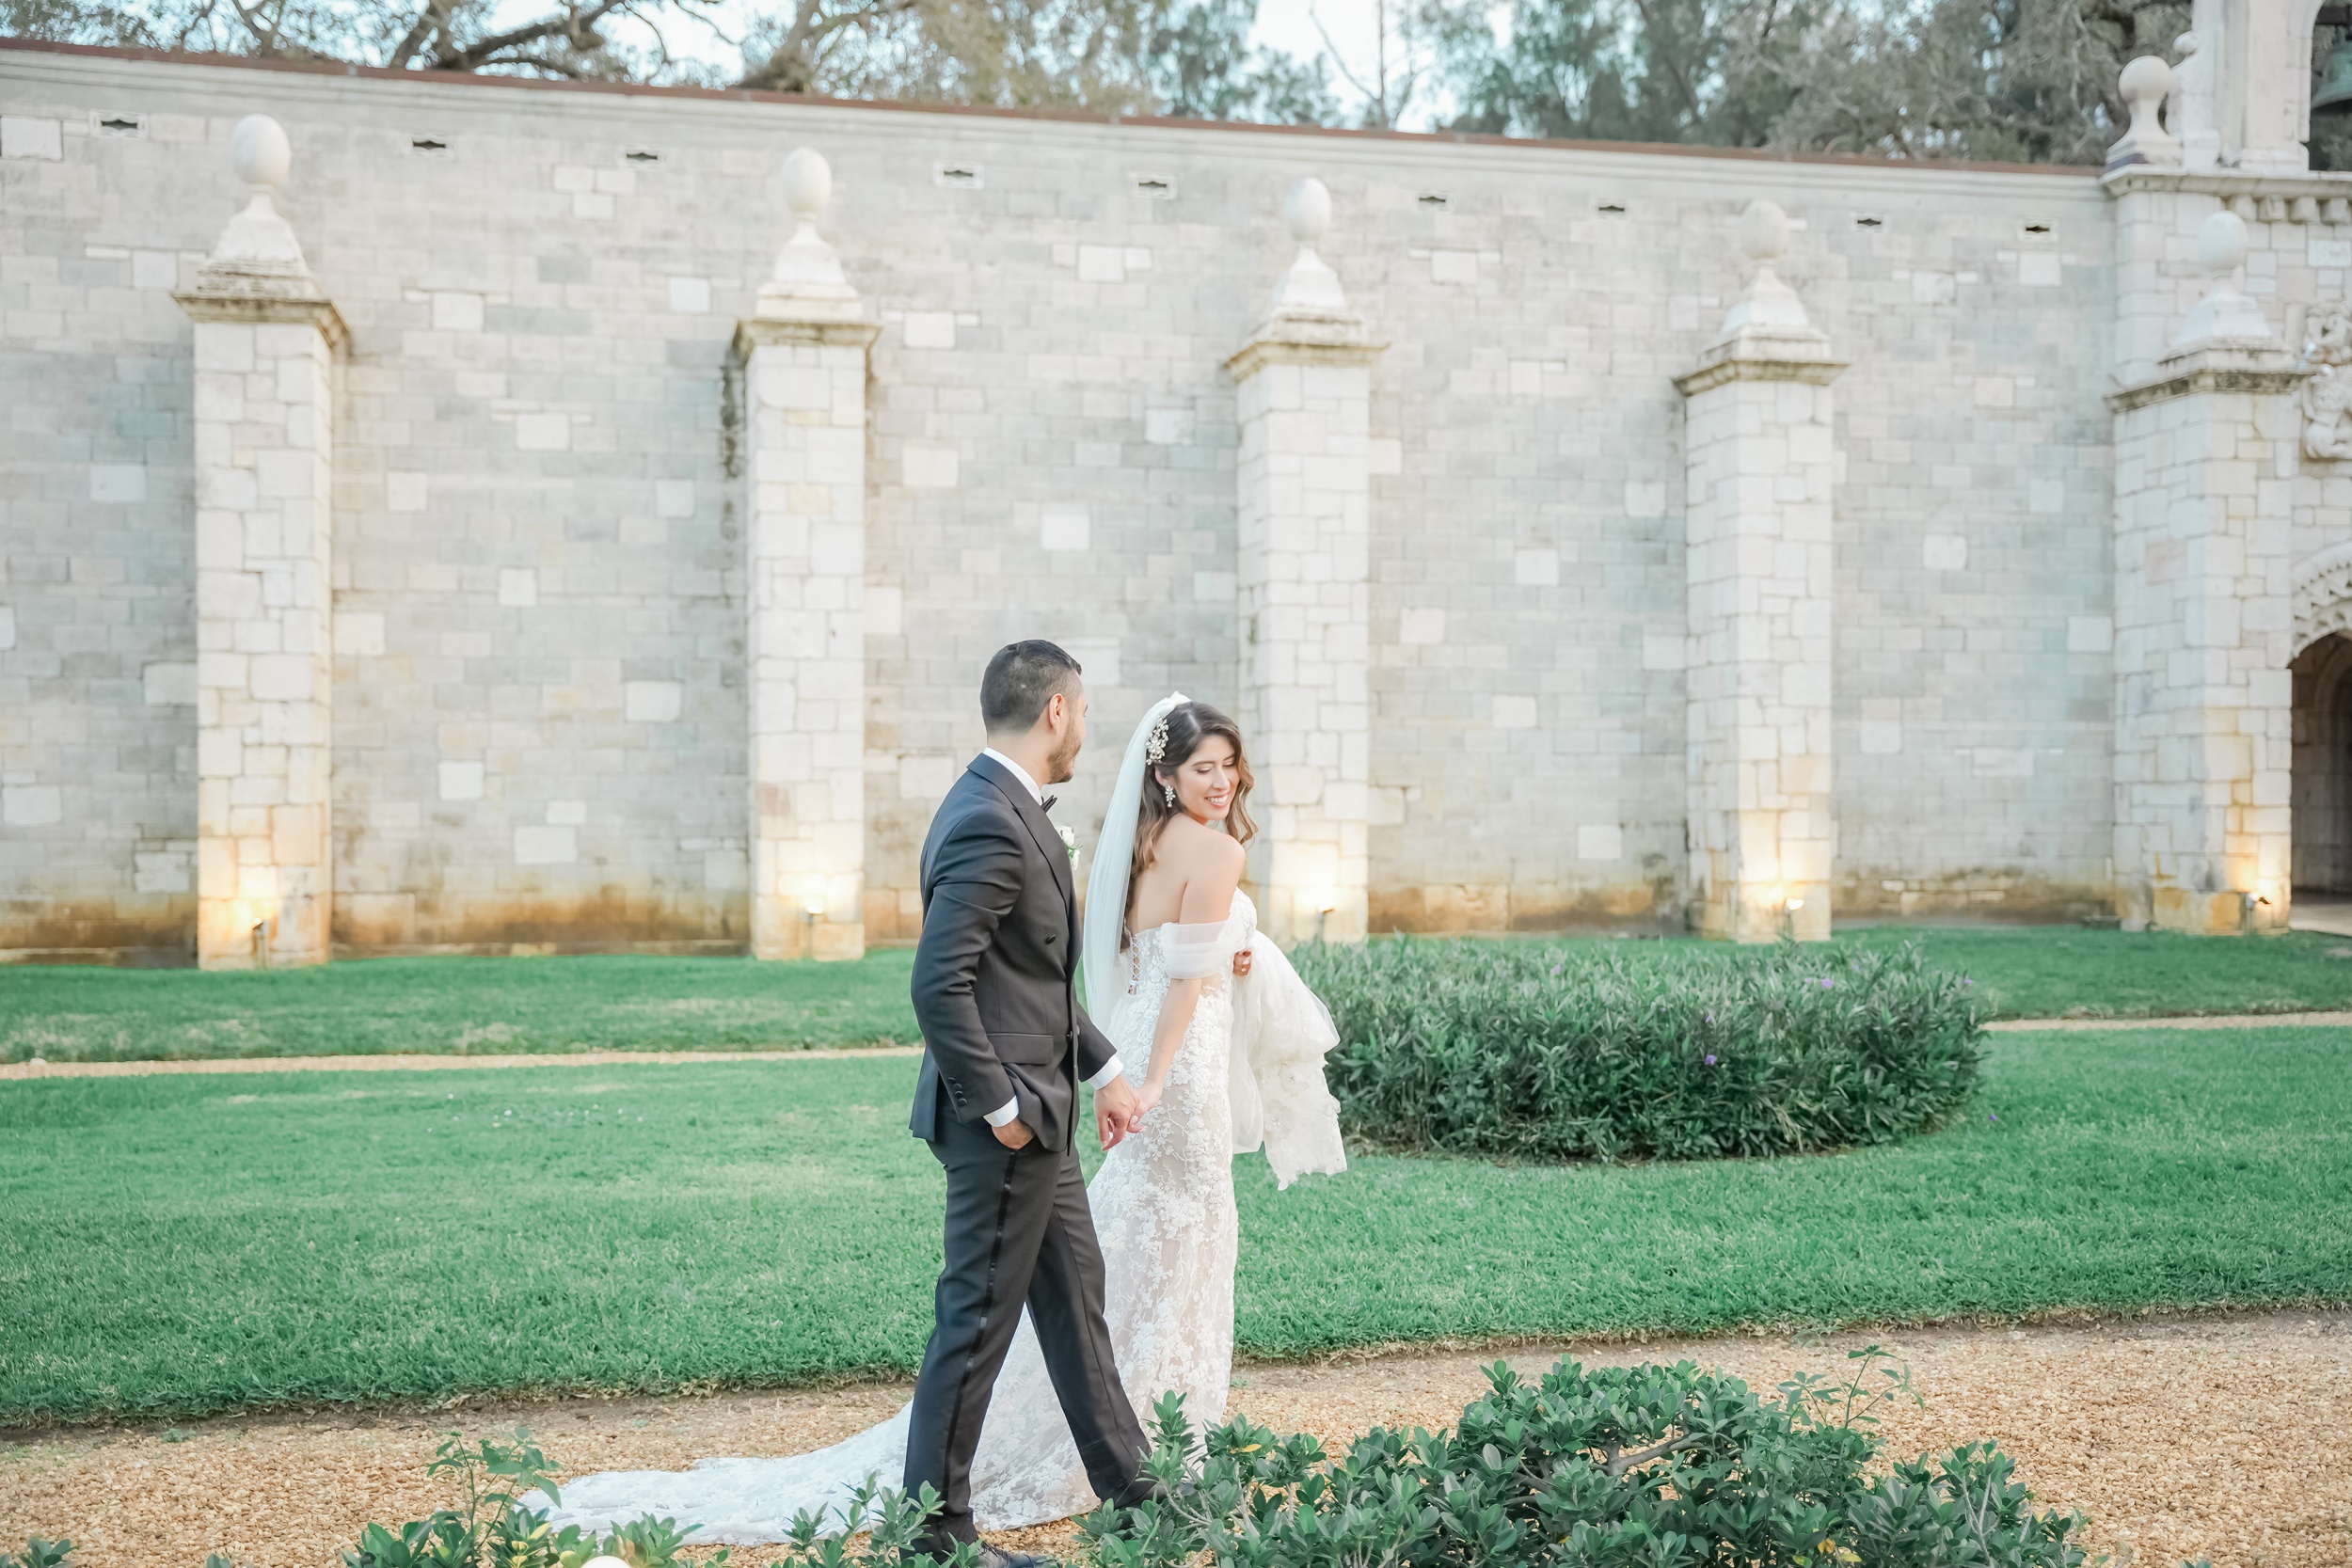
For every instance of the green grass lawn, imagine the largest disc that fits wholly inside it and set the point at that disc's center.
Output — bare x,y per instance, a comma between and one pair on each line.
648,1004
176,1246
443,1005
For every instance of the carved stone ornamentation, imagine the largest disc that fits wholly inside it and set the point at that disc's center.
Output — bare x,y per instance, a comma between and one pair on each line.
2320,590
2328,393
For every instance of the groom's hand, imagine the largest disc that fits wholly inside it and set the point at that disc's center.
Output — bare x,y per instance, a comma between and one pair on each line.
1013,1135
1116,1112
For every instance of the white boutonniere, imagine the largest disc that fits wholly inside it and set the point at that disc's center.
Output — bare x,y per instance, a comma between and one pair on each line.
1069,842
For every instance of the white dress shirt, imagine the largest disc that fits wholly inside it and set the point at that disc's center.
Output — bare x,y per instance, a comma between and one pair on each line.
1011,1108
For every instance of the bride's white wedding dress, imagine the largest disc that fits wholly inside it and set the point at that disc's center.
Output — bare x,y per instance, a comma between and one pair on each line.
1249,1069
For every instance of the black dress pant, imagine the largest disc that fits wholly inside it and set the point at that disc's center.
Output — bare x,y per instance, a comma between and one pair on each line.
1019,1234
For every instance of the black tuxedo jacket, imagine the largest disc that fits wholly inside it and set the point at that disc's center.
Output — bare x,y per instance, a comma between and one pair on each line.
994,971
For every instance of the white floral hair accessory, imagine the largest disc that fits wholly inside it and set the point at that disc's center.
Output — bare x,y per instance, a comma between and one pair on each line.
1156,748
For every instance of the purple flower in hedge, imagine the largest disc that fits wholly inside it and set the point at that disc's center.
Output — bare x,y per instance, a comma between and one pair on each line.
1993,1116
1710,1061
1827,982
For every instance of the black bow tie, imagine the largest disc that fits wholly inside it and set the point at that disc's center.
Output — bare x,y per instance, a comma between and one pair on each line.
1045,802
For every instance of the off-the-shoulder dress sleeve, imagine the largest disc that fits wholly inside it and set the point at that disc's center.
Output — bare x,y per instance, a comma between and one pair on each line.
1205,948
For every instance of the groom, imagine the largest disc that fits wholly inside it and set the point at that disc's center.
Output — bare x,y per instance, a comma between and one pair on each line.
1005,1047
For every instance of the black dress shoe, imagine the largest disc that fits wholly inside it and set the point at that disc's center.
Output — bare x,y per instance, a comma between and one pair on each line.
996,1557
991,1557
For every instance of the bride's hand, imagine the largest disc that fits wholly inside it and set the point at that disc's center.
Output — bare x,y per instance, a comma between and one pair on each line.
1241,964
1146,1098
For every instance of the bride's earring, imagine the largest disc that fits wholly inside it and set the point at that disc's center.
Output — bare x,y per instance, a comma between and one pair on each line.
1168,793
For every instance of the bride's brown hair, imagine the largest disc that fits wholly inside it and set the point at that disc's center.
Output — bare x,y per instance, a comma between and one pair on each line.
1189,725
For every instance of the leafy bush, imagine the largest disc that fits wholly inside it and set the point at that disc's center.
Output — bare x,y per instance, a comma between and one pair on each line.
495,1528
1634,1467
1537,1052
40,1554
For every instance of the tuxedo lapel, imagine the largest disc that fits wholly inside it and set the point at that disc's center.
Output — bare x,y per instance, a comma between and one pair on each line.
1049,842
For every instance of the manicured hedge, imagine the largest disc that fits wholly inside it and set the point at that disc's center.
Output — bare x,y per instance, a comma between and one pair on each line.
1538,1052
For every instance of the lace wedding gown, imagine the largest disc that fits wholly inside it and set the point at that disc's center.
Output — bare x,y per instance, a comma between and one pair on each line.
1249,1069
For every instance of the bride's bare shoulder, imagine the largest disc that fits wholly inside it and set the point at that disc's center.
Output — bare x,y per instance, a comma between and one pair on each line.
1195,848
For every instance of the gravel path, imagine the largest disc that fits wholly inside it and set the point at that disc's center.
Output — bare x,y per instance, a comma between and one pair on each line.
2225,1436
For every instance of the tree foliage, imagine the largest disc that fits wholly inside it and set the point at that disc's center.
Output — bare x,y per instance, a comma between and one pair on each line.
2025,80
1189,57
2016,80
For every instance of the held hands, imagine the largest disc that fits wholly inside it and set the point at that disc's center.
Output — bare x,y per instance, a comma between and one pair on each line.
1148,1097
1116,1111
1241,964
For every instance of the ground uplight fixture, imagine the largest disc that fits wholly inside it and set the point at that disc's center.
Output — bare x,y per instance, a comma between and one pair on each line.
1325,904
809,911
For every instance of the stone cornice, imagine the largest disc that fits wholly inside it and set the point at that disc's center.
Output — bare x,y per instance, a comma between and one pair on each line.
1716,372
2261,372
262,307
2132,178
1299,338
769,331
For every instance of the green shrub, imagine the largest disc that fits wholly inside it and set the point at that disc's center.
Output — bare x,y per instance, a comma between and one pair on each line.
1624,1467
40,1554
495,1527
1535,1052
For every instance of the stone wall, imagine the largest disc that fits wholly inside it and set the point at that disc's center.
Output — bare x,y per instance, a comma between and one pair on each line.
542,600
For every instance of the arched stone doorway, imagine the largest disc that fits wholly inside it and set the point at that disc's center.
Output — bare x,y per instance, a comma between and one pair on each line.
2320,793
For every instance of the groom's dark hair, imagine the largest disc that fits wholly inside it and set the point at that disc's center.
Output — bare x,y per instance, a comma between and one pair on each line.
1021,681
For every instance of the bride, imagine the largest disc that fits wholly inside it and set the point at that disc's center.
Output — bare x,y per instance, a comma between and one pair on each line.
1225,1044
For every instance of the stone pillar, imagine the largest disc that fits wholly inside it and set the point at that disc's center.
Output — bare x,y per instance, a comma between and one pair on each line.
2205,461
265,337
1758,447
1303,570
802,355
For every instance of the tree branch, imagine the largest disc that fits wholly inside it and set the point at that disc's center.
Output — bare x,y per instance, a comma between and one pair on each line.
1340,64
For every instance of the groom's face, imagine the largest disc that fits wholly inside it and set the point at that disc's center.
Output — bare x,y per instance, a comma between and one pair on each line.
1069,737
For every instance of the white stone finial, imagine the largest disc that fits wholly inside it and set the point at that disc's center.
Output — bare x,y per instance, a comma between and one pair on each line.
1767,308
2225,317
2220,245
262,155
2144,83
807,283
1309,288
808,183
1307,209
258,254
1764,232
